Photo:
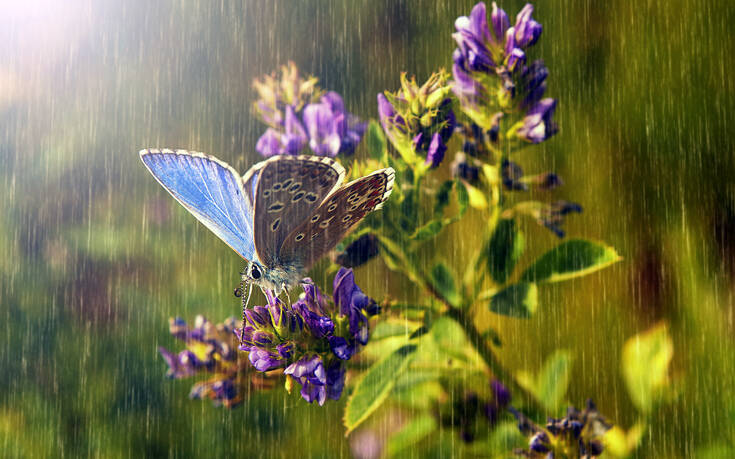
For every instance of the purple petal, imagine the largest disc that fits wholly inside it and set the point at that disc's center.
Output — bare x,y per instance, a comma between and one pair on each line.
269,143
527,30
500,23
340,347
437,148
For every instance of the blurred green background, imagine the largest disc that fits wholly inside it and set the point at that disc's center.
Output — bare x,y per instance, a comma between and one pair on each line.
95,256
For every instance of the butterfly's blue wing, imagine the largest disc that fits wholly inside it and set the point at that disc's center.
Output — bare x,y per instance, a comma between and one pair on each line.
211,190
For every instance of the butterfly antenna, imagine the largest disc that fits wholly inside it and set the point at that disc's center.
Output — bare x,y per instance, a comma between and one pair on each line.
245,303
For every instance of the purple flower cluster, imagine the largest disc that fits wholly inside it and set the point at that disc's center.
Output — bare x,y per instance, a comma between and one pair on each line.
210,350
491,75
578,434
299,115
419,120
311,339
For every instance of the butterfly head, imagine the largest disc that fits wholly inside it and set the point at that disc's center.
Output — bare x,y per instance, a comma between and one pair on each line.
275,278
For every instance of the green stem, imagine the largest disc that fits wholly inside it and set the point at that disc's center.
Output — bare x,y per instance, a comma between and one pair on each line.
483,348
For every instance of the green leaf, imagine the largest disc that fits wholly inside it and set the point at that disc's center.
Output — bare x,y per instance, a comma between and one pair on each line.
443,281
571,259
376,142
428,231
463,198
413,432
375,385
518,300
442,197
504,249
553,379
388,328
646,359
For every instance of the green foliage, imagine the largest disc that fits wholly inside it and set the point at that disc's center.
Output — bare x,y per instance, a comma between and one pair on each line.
570,259
414,431
375,385
550,385
443,281
517,300
376,142
504,249
646,359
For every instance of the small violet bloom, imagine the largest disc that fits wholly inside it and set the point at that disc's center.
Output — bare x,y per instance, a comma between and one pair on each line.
289,142
210,351
578,434
538,126
304,339
490,70
419,121
298,114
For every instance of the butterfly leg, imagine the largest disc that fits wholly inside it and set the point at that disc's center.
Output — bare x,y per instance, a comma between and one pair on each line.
245,303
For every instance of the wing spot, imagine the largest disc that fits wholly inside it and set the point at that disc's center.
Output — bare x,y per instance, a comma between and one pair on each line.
266,193
297,196
276,187
299,237
354,207
311,197
332,207
294,187
315,218
275,207
325,223
346,218
276,223
286,183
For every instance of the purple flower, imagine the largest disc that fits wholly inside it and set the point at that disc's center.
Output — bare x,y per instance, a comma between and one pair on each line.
321,124
341,347
313,315
289,142
511,174
539,443
309,372
263,359
389,119
500,23
463,169
412,116
181,365
531,84
349,128
472,38
435,153
335,380
537,125
351,302
527,31
258,317
552,216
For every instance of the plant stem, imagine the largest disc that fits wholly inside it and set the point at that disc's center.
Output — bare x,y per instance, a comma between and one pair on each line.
519,392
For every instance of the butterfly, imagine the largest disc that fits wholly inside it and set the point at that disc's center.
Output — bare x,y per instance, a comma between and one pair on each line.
282,216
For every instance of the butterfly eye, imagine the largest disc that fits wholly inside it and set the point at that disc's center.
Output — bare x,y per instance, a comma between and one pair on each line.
255,272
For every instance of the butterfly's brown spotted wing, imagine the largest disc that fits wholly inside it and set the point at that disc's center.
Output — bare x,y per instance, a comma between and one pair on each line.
340,212
287,191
